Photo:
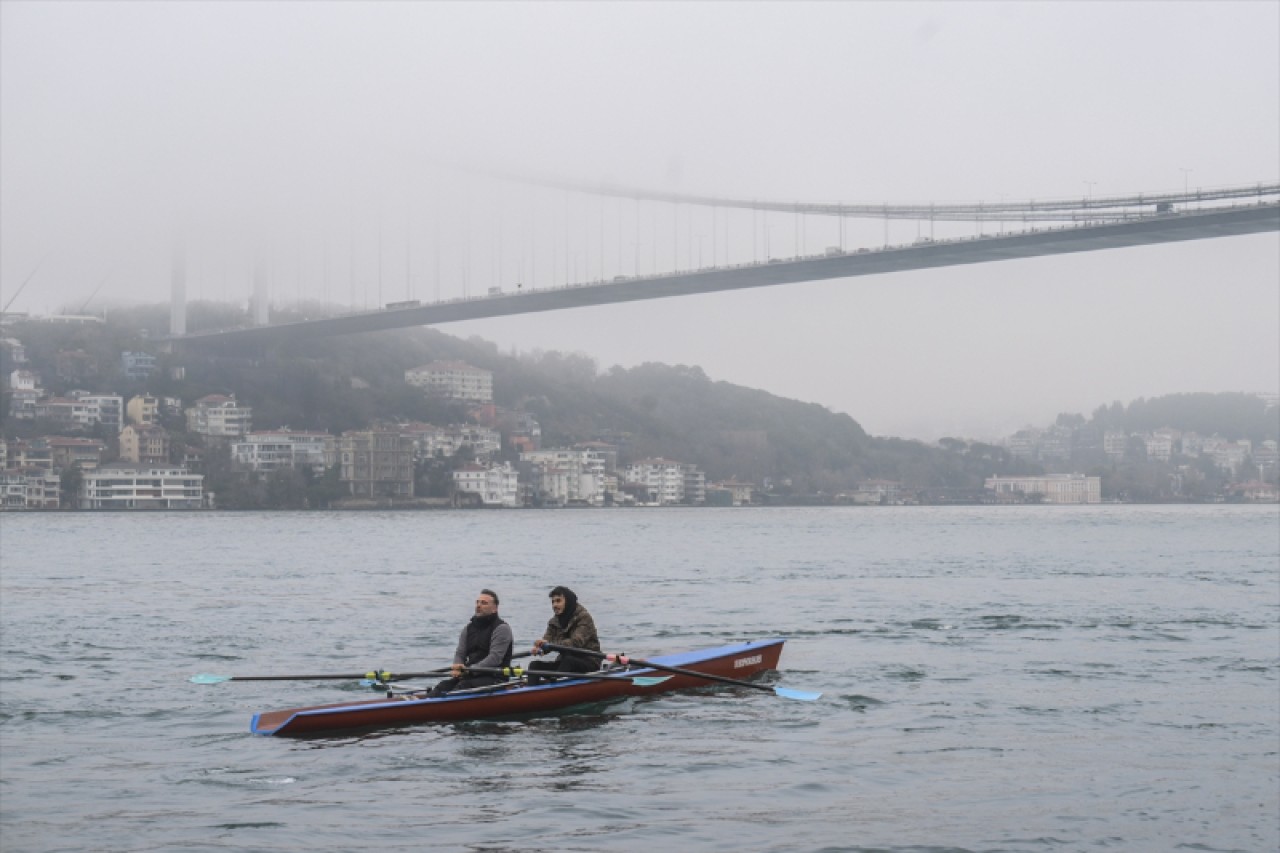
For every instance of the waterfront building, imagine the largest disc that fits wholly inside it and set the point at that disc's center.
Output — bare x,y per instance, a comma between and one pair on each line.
125,485
740,494
665,481
887,492
219,416
1053,488
453,380
29,487
272,450
695,484
144,445
1254,491
498,485
567,476
376,463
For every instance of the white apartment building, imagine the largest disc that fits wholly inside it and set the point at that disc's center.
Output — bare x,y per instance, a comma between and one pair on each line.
219,416
23,380
496,486
122,485
568,476
105,409
453,380
667,481
29,488
272,450
1056,488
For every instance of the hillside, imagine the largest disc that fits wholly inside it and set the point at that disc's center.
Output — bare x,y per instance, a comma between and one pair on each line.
677,412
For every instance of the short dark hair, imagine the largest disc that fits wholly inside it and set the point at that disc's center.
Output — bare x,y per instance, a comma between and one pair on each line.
491,594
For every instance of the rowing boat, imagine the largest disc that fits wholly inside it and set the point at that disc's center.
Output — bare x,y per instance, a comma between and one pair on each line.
739,661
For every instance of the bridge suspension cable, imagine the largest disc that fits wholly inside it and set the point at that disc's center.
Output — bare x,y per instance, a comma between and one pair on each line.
1088,209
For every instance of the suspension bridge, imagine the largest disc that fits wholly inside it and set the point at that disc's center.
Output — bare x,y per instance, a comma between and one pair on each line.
1028,229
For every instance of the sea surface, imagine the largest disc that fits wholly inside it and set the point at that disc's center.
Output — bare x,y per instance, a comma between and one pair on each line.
993,679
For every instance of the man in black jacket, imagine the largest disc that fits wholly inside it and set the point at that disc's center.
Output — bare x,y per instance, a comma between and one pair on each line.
486,642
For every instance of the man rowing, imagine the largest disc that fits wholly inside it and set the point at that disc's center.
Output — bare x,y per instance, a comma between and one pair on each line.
485,643
570,625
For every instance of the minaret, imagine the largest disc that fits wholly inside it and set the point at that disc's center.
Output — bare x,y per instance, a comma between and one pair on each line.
178,292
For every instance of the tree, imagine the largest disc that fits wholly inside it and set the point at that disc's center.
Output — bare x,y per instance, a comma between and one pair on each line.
70,483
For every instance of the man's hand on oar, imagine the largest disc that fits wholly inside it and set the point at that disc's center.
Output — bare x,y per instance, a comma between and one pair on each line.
517,672
784,692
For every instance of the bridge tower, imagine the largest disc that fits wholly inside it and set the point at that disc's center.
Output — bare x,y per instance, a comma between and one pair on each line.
259,307
178,291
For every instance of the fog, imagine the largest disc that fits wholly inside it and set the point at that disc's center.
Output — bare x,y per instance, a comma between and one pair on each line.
350,150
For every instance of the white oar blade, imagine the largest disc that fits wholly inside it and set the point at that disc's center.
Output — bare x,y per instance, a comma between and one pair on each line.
205,678
802,695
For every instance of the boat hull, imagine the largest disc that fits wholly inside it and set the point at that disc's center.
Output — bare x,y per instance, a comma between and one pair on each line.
740,661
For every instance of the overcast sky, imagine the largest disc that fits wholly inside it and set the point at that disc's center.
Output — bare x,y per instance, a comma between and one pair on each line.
328,139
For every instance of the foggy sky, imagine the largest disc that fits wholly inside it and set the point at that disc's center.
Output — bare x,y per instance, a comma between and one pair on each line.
335,141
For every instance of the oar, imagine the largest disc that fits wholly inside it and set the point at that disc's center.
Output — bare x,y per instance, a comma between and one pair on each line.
784,692
516,672
374,675
380,675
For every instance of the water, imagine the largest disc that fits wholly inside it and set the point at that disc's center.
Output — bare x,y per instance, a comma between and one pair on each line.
995,679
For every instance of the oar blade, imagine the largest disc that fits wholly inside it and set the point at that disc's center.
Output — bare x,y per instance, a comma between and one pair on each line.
206,678
792,693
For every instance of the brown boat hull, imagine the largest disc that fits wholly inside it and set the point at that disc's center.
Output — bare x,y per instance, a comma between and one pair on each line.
740,661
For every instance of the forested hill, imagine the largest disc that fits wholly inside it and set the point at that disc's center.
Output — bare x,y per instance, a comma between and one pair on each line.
677,412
